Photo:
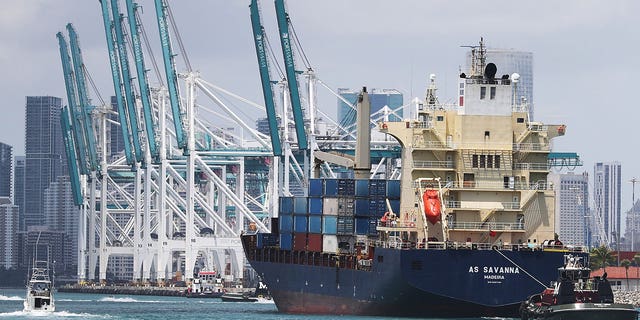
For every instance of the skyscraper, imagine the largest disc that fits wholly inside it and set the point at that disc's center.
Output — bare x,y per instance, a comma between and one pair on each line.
62,215
378,98
572,208
607,186
6,163
8,234
509,61
45,155
116,142
18,188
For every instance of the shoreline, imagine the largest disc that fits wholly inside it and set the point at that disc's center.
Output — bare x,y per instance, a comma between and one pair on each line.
130,290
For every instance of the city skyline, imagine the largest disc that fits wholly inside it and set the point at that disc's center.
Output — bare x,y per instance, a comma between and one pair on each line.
570,65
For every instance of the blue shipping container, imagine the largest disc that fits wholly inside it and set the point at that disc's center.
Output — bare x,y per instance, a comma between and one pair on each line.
286,241
395,206
393,189
345,225
300,223
362,226
373,226
329,224
315,187
315,206
300,205
331,187
362,188
286,205
362,207
286,224
315,224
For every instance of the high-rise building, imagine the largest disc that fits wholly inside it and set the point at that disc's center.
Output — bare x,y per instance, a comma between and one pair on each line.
607,185
511,61
116,141
18,188
45,154
8,234
379,98
62,215
40,242
6,163
632,223
572,208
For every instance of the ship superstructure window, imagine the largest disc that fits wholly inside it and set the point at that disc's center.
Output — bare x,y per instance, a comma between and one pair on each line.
520,120
440,118
496,162
483,92
493,93
474,161
490,161
483,160
381,259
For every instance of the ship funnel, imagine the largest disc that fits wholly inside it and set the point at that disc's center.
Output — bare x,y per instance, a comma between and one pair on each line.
362,168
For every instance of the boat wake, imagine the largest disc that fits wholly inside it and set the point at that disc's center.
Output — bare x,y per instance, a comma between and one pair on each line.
13,298
128,299
50,315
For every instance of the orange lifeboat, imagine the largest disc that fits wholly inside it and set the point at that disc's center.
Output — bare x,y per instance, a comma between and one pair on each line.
431,205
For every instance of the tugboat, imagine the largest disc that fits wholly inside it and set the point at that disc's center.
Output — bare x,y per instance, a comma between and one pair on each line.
208,284
576,296
39,289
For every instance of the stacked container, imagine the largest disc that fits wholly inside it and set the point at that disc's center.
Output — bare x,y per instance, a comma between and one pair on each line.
334,213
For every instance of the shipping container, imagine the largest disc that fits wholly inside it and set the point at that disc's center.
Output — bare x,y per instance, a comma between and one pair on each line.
395,206
315,187
286,206
361,207
266,240
286,224
286,241
329,224
331,187
346,187
330,206
315,224
314,242
362,188
346,244
378,187
300,241
329,243
344,225
362,225
300,206
346,206
373,226
300,223
315,205
275,226
393,189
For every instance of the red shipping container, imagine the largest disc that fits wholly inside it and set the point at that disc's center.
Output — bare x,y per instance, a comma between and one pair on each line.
300,241
314,242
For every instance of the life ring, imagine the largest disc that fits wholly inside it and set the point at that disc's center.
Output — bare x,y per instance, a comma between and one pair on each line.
384,125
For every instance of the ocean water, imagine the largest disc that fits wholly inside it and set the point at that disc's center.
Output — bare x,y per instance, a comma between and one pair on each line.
98,306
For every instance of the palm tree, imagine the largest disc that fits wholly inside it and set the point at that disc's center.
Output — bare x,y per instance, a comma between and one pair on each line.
626,263
601,257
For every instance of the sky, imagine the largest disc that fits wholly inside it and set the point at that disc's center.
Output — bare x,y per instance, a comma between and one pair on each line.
585,53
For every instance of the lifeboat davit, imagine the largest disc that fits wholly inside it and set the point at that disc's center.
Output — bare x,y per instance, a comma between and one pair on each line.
431,205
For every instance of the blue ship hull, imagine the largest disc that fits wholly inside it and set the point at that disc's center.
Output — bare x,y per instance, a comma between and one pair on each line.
412,282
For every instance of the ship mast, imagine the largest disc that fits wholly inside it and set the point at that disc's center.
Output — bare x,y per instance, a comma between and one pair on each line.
362,168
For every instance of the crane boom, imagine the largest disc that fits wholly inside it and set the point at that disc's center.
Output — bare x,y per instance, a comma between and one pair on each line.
132,8
126,79
81,85
117,85
67,135
73,103
289,62
170,71
263,65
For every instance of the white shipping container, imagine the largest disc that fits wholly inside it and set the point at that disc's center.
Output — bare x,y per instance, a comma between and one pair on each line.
329,243
330,206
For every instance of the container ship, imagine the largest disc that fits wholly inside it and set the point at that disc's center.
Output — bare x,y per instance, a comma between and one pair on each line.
467,231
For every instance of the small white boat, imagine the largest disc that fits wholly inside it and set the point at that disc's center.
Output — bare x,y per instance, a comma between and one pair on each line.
39,289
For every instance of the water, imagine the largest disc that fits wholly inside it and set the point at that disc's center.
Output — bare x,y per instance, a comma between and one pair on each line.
99,306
